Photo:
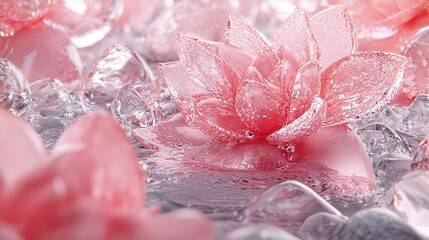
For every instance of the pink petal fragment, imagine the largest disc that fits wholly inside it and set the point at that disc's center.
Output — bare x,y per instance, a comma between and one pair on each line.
235,58
182,224
173,132
259,107
218,118
306,87
116,178
334,33
21,149
296,39
307,124
241,34
360,84
340,149
49,54
202,61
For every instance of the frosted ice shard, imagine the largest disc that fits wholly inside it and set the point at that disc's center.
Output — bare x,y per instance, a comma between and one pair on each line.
416,79
321,226
119,65
287,205
390,156
85,21
409,198
14,89
374,224
49,53
53,109
133,110
15,15
421,157
260,232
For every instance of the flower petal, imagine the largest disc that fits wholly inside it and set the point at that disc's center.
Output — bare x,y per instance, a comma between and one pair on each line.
283,77
296,39
107,147
339,148
306,87
202,61
183,88
234,58
241,34
218,118
360,84
265,61
307,124
172,133
21,148
259,107
334,33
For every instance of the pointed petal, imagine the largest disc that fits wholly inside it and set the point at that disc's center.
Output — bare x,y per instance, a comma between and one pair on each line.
259,107
334,33
106,146
172,133
360,84
241,34
182,87
202,61
306,87
235,58
296,39
218,118
21,149
307,124
283,77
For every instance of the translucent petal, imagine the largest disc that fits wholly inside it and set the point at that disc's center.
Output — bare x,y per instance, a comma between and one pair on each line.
202,61
259,107
360,84
334,33
296,39
241,34
307,124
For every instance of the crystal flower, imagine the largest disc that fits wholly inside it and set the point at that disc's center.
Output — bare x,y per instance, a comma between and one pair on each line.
249,90
89,187
284,91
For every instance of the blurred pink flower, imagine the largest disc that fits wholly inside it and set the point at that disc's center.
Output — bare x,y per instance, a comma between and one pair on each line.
89,187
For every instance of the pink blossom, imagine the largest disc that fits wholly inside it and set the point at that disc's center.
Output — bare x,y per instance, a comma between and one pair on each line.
284,91
267,94
89,187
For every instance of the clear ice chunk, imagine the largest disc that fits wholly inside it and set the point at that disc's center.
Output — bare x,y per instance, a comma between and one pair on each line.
375,224
85,21
133,110
421,157
14,89
260,232
119,65
288,205
389,155
53,109
409,198
321,226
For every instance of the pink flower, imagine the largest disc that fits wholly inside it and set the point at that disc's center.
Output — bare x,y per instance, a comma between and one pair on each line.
89,187
284,91
253,95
